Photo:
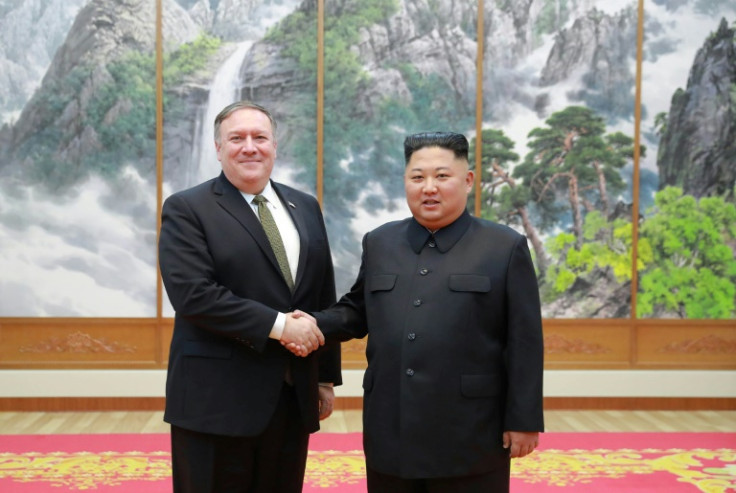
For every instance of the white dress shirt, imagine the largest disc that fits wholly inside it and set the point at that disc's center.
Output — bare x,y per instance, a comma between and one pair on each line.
289,236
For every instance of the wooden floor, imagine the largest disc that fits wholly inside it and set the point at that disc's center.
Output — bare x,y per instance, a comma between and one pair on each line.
350,420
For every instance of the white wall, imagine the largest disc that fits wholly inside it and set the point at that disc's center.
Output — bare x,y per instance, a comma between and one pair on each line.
558,383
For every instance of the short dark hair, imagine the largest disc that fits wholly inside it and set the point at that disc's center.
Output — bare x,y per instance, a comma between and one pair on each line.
455,142
232,108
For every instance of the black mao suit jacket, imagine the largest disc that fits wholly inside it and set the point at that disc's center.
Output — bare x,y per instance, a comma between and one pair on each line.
225,374
454,345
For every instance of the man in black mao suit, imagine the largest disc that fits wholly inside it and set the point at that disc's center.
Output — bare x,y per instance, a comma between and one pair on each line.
240,405
450,302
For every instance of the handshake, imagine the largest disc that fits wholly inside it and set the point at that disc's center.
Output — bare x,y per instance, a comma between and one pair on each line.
301,335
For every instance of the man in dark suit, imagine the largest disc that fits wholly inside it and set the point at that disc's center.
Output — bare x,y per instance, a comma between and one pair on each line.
240,405
453,387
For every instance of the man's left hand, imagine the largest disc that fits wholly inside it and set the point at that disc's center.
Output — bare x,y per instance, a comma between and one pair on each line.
326,401
521,443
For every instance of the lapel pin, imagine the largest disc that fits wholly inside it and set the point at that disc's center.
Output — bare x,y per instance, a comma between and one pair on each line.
291,204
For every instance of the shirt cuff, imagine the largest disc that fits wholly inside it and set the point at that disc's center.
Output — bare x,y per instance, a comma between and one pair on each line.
278,327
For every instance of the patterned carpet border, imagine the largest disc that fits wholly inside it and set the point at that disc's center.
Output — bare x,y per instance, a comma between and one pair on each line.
569,462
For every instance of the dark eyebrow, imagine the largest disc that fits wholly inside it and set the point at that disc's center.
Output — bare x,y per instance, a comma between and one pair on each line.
438,168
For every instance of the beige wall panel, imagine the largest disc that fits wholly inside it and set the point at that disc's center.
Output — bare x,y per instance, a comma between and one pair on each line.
166,331
569,344
353,354
577,344
79,343
702,344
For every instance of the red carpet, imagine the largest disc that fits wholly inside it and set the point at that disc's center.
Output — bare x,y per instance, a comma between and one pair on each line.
569,462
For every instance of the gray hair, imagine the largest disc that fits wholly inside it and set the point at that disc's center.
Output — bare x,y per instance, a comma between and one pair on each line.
232,108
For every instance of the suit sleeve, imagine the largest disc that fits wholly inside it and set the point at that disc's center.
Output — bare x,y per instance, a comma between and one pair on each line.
188,273
346,319
525,344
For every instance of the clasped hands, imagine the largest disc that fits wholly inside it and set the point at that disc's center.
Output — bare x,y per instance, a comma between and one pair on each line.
301,335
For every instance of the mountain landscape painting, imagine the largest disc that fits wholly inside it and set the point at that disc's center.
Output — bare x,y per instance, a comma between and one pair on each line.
557,143
77,159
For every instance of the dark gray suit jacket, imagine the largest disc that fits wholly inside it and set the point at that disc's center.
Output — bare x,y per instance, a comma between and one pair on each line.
455,346
223,280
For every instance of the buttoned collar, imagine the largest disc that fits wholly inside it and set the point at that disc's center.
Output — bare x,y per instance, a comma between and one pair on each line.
444,238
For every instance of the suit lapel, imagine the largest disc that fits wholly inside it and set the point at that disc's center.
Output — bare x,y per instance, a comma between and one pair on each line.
230,199
296,211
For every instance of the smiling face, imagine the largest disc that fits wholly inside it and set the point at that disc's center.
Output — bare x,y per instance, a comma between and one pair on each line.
246,148
437,185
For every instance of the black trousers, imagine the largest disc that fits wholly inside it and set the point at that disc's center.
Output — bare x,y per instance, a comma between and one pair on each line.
496,481
272,462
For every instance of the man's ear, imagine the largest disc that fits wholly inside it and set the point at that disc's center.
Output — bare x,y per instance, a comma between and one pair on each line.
469,180
218,146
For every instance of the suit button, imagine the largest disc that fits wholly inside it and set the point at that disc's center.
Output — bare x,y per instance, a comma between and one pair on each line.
423,272
412,336
409,372
431,244
417,302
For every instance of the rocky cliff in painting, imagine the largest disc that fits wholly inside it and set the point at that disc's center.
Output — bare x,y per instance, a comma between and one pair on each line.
698,148
30,33
55,130
597,48
436,40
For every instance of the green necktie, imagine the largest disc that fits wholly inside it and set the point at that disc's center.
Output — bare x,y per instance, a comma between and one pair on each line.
274,237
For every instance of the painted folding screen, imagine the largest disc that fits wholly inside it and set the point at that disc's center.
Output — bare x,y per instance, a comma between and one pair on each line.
687,234
77,159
